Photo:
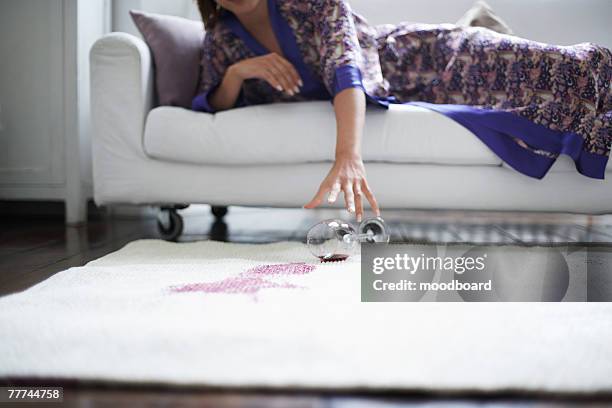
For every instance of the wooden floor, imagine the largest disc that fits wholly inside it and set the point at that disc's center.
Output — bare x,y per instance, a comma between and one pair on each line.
136,399
34,248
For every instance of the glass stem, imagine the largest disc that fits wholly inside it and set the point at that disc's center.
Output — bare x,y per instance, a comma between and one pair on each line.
368,237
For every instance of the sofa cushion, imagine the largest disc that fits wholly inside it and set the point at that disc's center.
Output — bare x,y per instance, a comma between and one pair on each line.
306,132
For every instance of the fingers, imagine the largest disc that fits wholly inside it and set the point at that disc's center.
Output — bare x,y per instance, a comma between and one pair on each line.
318,198
291,72
333,194
277,72
370,197
354,187
273,81
353,198
349,197
358,202
284,73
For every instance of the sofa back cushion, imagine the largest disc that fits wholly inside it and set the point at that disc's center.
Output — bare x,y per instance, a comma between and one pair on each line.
176,45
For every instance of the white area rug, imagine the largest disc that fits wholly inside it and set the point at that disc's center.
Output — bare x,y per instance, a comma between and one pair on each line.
130,317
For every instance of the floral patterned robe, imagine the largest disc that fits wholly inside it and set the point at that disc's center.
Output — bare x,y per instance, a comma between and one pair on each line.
528,101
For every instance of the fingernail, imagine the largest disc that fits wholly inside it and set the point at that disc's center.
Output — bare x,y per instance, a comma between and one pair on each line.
296,90
300,83
279,88
290,92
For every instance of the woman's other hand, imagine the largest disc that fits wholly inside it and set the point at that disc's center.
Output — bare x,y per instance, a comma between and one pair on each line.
273,68
347,176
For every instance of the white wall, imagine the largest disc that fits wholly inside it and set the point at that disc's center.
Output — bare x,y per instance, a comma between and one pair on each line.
574,21
561,22
31,92
45,140
91,28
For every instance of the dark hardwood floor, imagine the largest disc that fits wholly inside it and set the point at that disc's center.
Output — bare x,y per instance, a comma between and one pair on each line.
113,398
32,248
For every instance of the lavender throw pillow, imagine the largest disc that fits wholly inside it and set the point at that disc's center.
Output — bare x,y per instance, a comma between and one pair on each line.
176,44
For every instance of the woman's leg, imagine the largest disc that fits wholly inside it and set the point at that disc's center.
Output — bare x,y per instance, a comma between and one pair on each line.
563,88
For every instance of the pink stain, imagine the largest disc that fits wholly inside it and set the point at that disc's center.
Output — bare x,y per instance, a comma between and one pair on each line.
251,281
281,269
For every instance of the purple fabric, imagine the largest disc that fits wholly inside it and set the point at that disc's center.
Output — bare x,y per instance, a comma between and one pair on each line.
528,101
237,28
497,129
313,89
200,103
176,45
295,25
347,76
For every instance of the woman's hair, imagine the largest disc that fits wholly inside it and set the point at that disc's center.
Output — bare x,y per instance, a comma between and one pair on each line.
210,11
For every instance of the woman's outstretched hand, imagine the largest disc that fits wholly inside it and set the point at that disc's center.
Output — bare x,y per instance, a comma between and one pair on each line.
349,177
272,68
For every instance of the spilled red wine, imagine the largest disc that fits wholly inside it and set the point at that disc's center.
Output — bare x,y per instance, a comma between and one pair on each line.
334,258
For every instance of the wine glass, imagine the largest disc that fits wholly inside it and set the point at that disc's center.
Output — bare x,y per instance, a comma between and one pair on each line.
335,240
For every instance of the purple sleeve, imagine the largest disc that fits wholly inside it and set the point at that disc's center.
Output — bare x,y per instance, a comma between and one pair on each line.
212,68
339,46
347,76
200,102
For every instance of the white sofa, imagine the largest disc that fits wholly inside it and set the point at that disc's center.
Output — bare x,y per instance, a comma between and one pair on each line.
276,155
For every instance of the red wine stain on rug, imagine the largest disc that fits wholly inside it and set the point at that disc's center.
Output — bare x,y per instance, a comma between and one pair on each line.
251,281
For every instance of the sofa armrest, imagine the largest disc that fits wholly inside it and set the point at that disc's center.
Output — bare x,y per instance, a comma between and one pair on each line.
122,93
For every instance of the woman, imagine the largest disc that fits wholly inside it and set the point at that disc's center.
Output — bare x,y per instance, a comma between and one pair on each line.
528,101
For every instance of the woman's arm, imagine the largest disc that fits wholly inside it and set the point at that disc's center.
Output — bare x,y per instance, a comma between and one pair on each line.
341,59
225,96
348,173
273,68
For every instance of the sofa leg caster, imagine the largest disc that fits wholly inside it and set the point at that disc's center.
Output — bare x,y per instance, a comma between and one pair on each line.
169,224
218,211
